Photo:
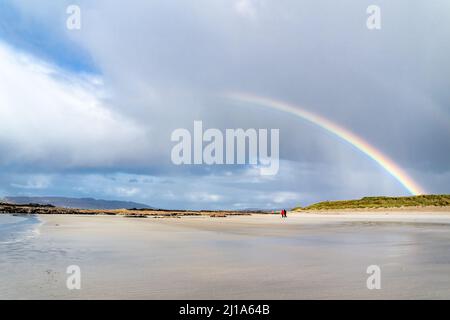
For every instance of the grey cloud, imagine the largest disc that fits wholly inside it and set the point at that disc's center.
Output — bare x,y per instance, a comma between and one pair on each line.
165,65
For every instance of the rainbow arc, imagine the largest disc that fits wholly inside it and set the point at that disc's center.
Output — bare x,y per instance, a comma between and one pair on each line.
383,160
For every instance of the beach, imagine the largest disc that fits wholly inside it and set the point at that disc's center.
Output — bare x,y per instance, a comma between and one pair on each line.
306,256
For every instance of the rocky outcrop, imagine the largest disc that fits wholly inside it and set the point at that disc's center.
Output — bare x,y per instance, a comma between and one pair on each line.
8,208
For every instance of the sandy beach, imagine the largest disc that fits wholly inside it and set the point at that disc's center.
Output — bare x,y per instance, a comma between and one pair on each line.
306,256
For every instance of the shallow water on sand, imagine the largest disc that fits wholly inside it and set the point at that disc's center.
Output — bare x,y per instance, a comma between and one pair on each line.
15,228
232,258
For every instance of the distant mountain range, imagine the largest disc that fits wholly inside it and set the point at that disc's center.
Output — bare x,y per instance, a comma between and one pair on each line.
79,203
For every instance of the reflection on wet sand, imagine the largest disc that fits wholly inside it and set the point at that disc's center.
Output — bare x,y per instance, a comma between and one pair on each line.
248,257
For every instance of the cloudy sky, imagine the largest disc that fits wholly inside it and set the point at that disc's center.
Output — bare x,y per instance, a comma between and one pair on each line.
90,112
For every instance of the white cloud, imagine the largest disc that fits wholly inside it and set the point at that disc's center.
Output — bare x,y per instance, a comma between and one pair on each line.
284,197
126,192
203,197
34,182
246,8
51,116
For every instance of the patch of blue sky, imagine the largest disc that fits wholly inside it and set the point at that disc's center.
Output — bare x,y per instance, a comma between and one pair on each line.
38,39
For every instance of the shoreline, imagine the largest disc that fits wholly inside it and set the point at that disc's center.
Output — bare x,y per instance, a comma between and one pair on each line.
260,220
6,208
227,215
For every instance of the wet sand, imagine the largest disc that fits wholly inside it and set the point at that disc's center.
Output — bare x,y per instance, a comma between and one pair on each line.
306,256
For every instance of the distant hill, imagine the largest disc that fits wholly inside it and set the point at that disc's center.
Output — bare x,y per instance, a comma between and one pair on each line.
382,202
79,203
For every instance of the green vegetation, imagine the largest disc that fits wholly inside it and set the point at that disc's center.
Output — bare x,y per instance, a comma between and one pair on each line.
382,202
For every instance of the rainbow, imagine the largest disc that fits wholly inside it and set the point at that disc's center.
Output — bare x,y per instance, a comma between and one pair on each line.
384,161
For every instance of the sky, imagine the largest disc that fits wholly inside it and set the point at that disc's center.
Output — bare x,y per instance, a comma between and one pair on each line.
90,112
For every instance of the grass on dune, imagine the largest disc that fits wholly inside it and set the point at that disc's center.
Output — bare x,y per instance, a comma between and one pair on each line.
382,202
